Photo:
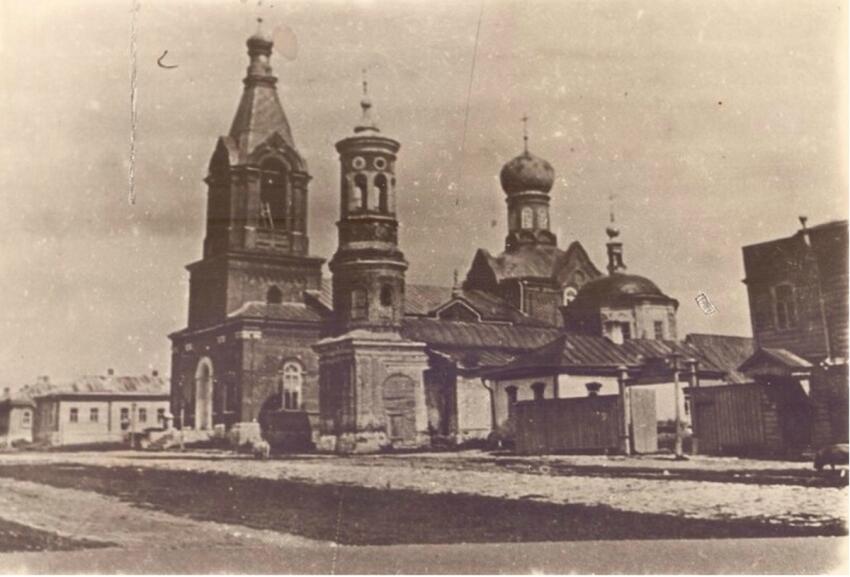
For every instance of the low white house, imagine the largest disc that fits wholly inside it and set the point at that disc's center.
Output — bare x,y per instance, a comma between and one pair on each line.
99,409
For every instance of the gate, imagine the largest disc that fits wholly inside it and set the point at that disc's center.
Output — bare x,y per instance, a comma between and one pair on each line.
644,420
587,424
734,419
399,393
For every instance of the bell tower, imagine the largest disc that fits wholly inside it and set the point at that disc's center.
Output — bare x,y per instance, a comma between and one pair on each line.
250,319
368,267
371,379
256,240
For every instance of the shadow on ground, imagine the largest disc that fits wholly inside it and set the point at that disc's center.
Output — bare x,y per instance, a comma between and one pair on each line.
364,516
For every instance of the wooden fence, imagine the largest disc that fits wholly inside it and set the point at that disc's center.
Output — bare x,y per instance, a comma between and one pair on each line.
588,424
735,420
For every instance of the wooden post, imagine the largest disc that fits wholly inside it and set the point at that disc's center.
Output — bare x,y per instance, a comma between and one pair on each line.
182,425
626,436
693,385
677,389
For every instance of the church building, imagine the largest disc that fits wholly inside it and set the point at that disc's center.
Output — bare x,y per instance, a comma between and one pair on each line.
365,360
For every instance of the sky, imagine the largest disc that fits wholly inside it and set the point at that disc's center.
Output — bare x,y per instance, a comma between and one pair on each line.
712,125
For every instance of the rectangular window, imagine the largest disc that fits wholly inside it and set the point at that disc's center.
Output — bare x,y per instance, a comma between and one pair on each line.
75,415
26,419
125,418
160,416
659,330
627,331
358,304
93,415
786,310
143,415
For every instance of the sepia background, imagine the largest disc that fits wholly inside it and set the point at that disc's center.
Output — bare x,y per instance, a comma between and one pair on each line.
713,125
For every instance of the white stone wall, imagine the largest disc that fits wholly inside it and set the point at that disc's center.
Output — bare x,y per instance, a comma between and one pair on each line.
473,409
524,393
107,428
572,386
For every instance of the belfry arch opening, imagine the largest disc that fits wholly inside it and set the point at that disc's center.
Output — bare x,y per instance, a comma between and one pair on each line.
273,192
274,296
382,192
360,193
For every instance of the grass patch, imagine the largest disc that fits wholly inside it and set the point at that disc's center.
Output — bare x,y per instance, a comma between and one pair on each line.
365,516
17,537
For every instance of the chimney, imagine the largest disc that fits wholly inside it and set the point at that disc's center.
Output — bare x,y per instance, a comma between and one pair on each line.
110,372
457,289
805,230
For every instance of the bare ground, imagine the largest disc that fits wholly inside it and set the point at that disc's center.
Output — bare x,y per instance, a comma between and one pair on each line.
444,498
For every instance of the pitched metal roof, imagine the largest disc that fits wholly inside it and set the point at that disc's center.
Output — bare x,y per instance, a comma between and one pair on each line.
490,307
296,312
422,300
474,358
575,351
536,261
147,385
572,351
724,351
781,357
448,334
16,402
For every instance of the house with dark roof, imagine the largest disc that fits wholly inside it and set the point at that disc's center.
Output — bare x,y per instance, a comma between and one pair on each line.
365,360
95,409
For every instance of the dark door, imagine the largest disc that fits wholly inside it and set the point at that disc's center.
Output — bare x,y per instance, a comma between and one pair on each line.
400,408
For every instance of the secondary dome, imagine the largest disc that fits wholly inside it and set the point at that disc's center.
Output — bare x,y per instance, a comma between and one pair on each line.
527,172
617,286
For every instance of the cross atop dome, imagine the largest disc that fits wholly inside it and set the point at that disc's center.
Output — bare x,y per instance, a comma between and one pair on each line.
525,133
367,123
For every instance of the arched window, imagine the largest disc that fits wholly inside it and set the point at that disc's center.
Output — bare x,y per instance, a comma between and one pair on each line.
355,197
361,192
786,310
527,217
569,295
292,380
273,191
382,192
539,391
358,303
542,217
274,296
387,295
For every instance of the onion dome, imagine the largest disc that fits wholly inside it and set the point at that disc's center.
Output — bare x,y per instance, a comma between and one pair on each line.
525,173
261,40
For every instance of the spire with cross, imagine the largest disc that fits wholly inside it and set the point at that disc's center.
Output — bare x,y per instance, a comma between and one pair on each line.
525,133
366,122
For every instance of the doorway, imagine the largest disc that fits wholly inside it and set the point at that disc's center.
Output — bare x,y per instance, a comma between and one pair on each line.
203,394
399,393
